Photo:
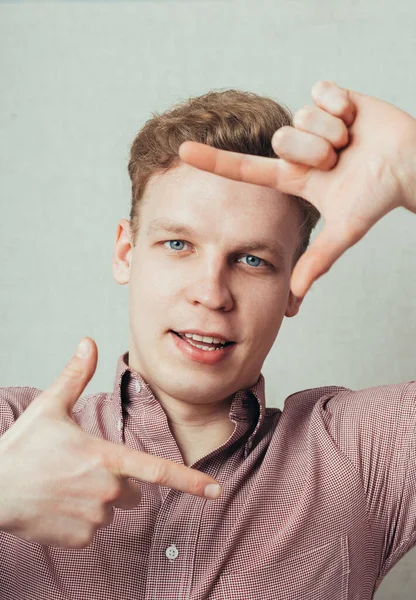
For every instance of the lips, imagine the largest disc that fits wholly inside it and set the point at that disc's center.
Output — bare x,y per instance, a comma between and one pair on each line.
214,355
182,335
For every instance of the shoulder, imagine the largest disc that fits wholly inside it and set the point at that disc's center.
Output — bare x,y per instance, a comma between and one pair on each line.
347,415
337,400
369,405
96,413
375,421
15,400
378,420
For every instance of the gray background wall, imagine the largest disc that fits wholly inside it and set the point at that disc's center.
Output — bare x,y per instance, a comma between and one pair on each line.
79,79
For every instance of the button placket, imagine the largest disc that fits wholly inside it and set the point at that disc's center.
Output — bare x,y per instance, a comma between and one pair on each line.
169,555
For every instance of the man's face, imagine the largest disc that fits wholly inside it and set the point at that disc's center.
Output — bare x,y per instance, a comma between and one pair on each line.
206,281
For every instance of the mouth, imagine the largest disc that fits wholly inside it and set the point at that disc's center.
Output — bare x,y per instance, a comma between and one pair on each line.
202,344
203,352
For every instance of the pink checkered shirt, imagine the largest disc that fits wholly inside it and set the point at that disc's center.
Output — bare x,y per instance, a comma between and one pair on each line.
318,503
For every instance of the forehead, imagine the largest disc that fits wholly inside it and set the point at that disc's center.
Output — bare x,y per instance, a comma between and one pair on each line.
219,206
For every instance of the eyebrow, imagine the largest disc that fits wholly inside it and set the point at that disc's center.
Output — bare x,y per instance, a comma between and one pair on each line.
164,224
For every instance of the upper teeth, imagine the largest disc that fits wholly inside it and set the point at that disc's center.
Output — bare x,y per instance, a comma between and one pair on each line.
204,338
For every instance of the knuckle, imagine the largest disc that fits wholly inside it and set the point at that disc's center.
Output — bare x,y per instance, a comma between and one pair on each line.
98,459
161,473
194,485
303,117
327,153
342,135
280,136
335,98
72,370
343,103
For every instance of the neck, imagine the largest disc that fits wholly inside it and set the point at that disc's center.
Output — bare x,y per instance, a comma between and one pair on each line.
196,441
197,429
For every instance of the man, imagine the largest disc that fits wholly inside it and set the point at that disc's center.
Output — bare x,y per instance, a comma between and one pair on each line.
317,501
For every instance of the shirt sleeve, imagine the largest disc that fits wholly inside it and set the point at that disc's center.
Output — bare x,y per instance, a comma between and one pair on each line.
13,401
376,429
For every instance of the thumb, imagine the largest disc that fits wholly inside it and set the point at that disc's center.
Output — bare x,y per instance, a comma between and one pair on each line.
66,390
318,259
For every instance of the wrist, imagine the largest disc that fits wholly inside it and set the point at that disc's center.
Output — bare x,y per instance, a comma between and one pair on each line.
406,171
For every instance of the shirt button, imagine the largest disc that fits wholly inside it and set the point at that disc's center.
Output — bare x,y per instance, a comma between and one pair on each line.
172,552
119,424
138,388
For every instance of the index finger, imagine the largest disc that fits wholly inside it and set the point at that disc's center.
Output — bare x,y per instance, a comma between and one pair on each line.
153,469
259,170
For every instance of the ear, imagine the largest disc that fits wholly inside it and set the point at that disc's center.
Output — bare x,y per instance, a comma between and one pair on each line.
293,305
122,253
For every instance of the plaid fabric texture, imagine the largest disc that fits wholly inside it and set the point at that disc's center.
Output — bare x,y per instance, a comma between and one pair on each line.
319,502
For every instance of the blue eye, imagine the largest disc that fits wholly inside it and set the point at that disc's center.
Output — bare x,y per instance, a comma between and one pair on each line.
175,241
255,258
250,256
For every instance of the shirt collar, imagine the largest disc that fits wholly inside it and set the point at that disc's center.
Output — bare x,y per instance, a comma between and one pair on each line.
248,406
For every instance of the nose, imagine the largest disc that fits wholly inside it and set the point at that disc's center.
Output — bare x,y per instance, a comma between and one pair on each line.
211,288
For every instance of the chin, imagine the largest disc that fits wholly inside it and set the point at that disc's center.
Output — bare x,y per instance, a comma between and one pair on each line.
198,391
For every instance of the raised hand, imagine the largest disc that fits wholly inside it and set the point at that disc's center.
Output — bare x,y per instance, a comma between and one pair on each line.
351,155
59,484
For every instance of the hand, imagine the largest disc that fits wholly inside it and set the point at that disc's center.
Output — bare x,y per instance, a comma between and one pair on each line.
350,155
59,484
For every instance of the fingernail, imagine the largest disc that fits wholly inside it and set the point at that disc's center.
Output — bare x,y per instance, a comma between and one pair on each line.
83,348
213,491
